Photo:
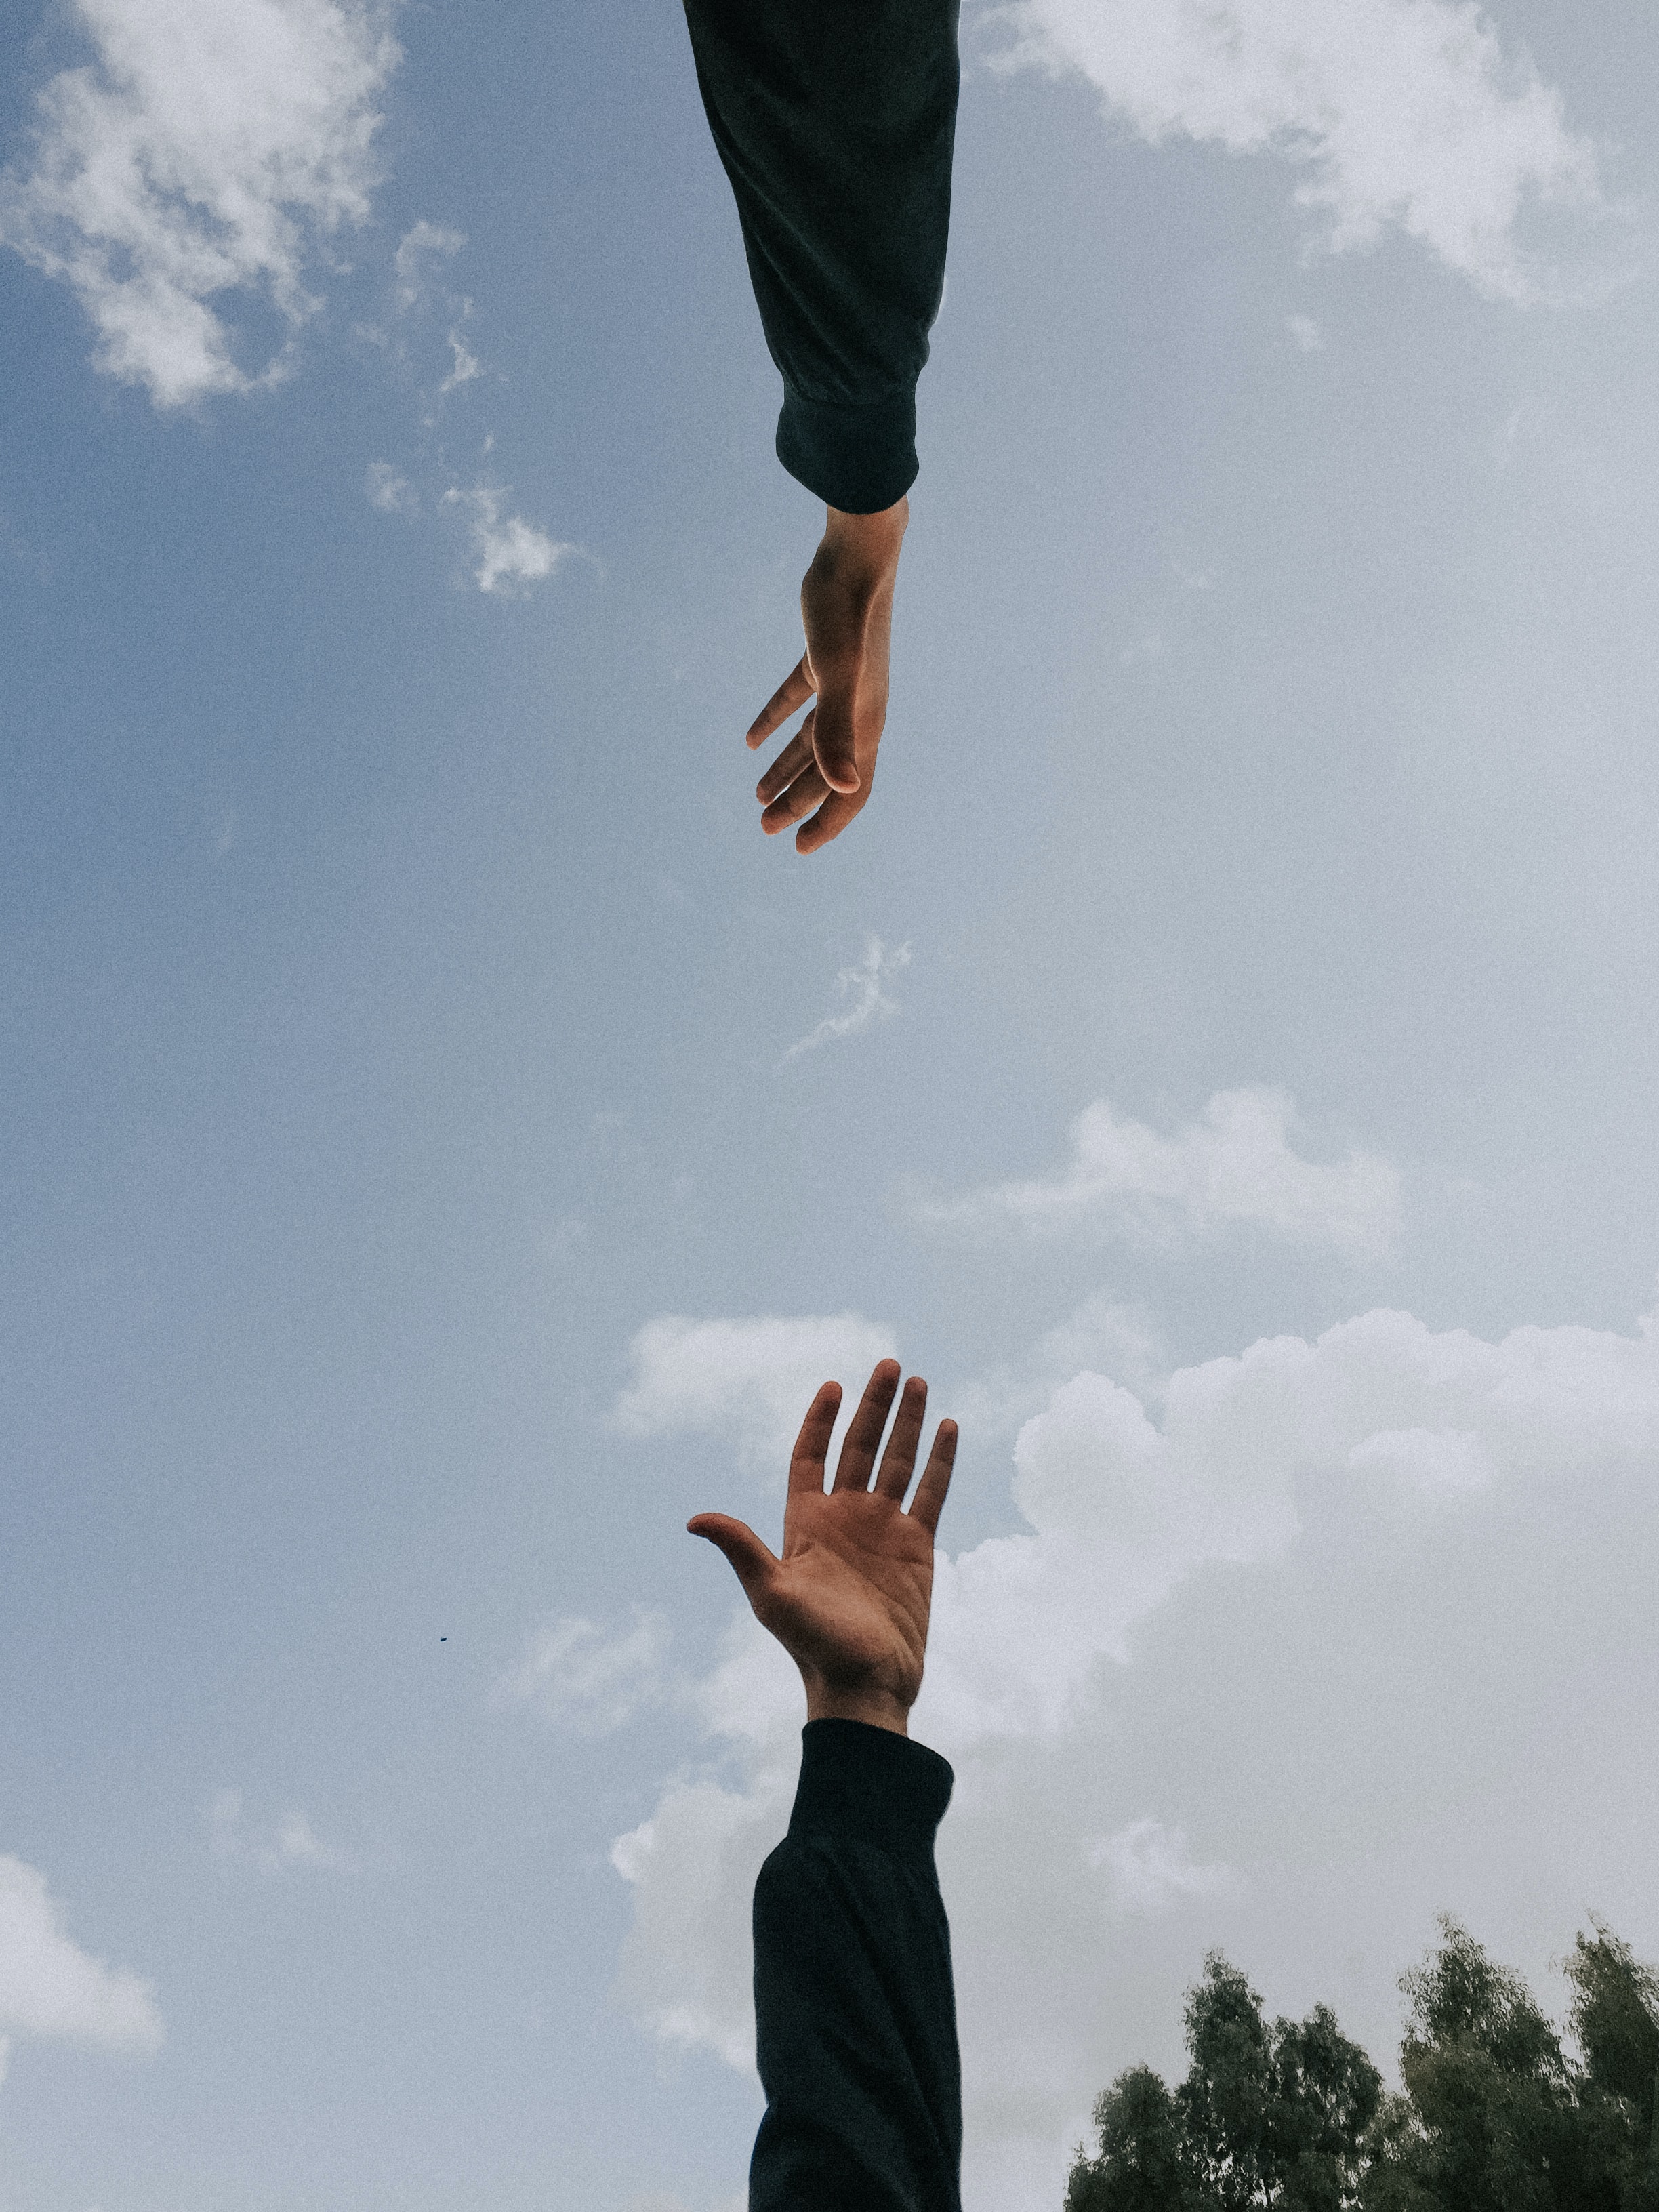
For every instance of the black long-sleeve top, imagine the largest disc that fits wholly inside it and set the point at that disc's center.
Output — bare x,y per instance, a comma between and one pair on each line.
835,120
855,2007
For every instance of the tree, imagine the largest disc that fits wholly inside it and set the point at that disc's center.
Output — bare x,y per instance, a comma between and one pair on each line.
1143,2164
1495,2115
1614,2019
1268,2115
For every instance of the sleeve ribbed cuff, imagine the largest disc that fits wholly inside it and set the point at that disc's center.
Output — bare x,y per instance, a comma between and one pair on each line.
869,1785
861,459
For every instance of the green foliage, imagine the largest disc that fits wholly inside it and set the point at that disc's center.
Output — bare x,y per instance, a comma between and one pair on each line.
1269,2114
1495,2116
1144,2164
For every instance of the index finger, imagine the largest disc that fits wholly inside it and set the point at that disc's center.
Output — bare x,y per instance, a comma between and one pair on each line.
796,689
812,1444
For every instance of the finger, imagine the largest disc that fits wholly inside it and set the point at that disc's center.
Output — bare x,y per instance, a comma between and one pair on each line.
792,763
929,1501
796,689
831,819
832,738
812,1444
805,792
751,1562
899,1460
858,1453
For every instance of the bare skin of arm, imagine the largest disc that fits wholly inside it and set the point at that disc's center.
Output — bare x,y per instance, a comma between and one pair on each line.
822,778
849,1599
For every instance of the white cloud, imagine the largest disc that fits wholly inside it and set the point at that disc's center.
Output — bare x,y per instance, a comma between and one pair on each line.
512,553
208,151
1152,1868
1404,114
1306,332
1374,1612
387,491
750,1380
290,1841
50,1990
467,363
1104,1335
860,987
422,244
1234,1164
573,1673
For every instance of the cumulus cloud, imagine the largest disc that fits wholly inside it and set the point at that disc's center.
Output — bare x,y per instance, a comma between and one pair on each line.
864,999
576,1674
751,1381
1401,113
1106,1335
50,1990
1236,1163
207,152
289,1841
1355,1629
512,554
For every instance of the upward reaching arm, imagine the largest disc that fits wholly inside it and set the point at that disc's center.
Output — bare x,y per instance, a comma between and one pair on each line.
854,2013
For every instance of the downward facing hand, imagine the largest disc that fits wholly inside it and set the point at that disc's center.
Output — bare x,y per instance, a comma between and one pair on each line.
849,1599
825,770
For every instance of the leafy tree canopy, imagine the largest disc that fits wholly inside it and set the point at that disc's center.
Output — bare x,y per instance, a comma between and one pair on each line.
1495,2114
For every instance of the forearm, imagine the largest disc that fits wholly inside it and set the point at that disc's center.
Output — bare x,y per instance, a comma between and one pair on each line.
854,2010
835,121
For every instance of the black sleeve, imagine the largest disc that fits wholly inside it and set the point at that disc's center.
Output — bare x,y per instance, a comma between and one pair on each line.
835,120
854,2011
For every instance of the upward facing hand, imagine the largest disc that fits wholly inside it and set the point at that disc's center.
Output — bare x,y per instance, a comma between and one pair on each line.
849,1599
846,610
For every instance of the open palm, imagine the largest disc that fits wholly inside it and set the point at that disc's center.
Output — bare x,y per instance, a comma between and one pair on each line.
850,1597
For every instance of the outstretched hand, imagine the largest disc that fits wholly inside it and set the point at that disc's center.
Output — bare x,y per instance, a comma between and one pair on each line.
826,769
850,1600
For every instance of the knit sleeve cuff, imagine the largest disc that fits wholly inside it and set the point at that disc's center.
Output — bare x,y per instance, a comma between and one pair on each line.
860,459
869,1785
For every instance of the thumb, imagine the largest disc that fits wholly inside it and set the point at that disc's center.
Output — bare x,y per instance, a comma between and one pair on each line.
751,1561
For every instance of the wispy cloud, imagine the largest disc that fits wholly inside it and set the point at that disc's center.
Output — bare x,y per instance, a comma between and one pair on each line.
421,246
1151,1867
50,1989
578,1675
1401,113
205,152
289,1841
1235,1163
865,999
388,490
511,554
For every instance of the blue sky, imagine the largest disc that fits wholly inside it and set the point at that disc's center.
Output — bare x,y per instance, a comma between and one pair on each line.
413,1197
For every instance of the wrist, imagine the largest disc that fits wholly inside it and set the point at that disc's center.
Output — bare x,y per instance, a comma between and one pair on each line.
841,1701
868,542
